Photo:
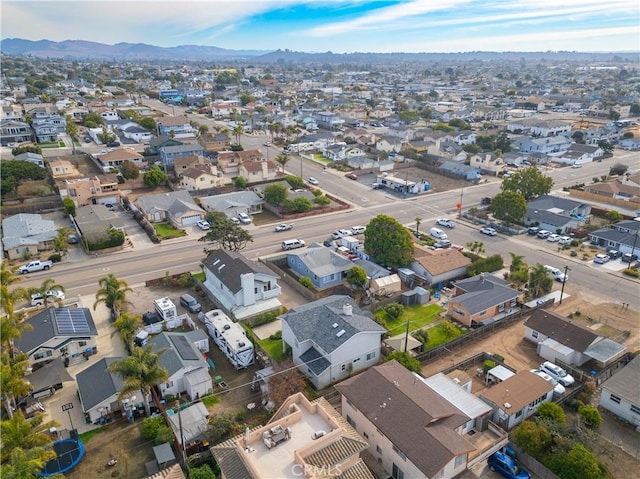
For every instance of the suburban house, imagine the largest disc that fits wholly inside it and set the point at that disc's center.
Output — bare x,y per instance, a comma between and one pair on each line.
67,333
624,189
322,265
159,142
242,287
31,157
579,154
176,207
185,363
214,142
99,189
621,393
256,171
94,222
200,177
303,439
183,163
61,167
190,423
413,430
488,163
98,390
13,132
331,338
229,161
175,126
554,144
403,185
558,337
457,168
439,265
630,144
516,398
27,233
115,158
482,299
47,127
233,203
137,133
553,213
621,236
168,154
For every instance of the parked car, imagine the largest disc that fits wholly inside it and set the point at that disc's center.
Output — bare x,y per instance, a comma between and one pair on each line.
113,144
51,295
313,181
442,244
377,186
292,244
614,254
507,466
488,231
244,218
601,259
190,303
557,373
330,244
203,225
576,165
557,274
445,222
235,220
553,238
438,233
283,227
486,200
351,176
558,388
73,238
565,240
533,230
357,230
337,234
266,143
628,258
543,234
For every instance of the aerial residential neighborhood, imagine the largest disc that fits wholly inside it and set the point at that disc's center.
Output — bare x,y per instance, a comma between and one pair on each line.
261,265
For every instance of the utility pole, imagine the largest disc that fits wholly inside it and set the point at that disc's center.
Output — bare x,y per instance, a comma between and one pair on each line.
566,268
406,337
460,203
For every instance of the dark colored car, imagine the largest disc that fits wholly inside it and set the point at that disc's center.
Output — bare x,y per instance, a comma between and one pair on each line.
533,230
486,200
113,144
507,466
628,258
351,176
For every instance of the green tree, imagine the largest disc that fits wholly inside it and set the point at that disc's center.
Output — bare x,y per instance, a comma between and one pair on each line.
106,136
552,412
294,181
509,206
503,143
225,234
48,285
605,146
282,160
112,292
13,369
93,120
275,194
69,207
618,169
72,130
127,325
301,204
388,241
405,359
61,241
408,116
517,262
418,222
154,177
141,372
614,115
201,472
394,310
238,131
240,182
203,129
614,216
590,415
534,439
130,170
221,426
357,277
578,463
148,123
18,432
540,281
27,464
475,247
529,182
8,297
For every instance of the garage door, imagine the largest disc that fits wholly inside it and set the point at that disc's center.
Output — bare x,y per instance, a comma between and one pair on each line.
190,220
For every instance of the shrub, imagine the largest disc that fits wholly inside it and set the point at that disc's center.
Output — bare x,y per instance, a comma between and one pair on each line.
276,336
306,282
150,426
590,415
552,412
631,272
294,181
488,364
489,264
55,257
394,310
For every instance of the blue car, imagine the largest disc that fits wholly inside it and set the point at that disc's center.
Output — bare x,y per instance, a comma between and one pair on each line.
507,466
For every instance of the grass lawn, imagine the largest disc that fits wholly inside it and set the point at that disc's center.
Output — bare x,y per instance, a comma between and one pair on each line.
441,334
273,348
85,436
167,231
200,276
210,400
418,316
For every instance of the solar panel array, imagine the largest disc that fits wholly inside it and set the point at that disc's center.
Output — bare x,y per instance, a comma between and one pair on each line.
183,347
71,321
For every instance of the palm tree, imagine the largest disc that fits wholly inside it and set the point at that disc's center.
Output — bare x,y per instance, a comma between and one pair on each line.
11,328
61,241
112,292
476,247
282,160
141,372
48,285
27,464
9,298
516,262
12,382
238,131
418,221
540,281
71,130
127,325
19,432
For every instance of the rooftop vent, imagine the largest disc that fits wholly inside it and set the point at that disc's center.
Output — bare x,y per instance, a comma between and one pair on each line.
340,333
507,405
334,325
347,310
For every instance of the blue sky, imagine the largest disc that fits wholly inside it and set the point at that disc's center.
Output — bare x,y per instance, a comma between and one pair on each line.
336,25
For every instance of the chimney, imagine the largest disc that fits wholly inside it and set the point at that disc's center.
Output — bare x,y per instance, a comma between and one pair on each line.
482,277
347,310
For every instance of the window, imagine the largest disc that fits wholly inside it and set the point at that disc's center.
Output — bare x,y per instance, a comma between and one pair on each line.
501,308
42,355
370,356
378,450
351,422
460,460
519,413
614,398
635,409
534,334
82,343
459,312
397,473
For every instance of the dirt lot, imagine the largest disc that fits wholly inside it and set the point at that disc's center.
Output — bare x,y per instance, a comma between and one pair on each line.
437,182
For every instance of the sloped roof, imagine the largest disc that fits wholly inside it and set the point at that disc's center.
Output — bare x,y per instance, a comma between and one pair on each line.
322,261
441,261
229,266
517,391
96,383
482,292
561,329
171,359
626,383
168,202
26,229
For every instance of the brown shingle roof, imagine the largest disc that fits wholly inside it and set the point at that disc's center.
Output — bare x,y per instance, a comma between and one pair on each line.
173,120
416,419
441,260
518,391
561,329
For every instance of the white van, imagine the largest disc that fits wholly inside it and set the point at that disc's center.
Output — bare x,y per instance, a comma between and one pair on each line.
438,233
357,230
292,244
557,373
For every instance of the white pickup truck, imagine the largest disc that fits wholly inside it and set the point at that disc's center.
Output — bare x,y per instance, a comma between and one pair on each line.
35,266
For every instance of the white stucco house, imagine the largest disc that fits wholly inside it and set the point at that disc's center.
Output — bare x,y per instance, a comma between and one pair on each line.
621,393
331,339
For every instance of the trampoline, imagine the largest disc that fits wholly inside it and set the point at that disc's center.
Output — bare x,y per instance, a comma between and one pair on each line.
69,453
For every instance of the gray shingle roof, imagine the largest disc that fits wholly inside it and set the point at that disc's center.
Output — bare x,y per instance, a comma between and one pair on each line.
561,329
315,321
167,202
96,383
483,292
228,266
322,261
171,359
626,383
26,229
315,360
232,203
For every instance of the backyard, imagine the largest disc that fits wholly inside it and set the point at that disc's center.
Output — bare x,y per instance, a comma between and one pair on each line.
417,315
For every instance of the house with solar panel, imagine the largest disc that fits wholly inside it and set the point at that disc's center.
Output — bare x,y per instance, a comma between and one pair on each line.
59,333
185,362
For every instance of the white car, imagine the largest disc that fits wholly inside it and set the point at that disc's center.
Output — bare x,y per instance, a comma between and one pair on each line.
553,238
235,220
445,222
564,240
557,274
244,218
557,373
488,231
601,259
337,234
283,227
203,225
313,181
52,295
558,388
576,165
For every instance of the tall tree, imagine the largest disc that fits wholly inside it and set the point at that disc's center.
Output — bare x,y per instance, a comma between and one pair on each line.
12,381
61,241
22,433
418,222
9,297
540,281
127,325
282,160
357,277
285,380
27,464
509,206
238,132
388,241
112,292
530,182
225,234
141,372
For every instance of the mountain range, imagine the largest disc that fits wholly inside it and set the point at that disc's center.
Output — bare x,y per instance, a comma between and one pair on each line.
80,49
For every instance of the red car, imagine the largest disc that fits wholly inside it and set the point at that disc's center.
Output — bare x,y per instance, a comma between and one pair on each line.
351,176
